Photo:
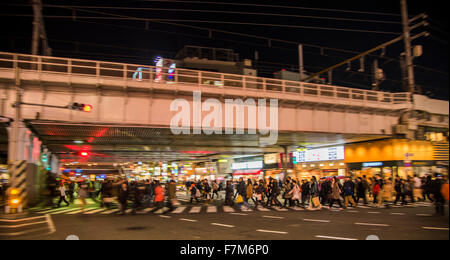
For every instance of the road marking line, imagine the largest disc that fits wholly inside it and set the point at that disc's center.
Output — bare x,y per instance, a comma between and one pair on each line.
245,209
363,207
369,224
228,209
75,212
275,217
163,216
262,209
398,214
239,214
271,231
94,211
160,211
352,211
24,232
51,210
110,211
63,211
424,215
317,220
298,209
281,209
435,228
51,225
195,210
211,209
179,210
22,219
336,238
147,210
189,220
128,211
222,225
373,212
25,225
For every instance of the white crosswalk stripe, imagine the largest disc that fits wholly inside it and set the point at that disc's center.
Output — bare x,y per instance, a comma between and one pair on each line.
262,209
211,209
280,209
50,210
110,211
94,211
297,209
147,210
245,209
195,210
178,210
74,212
64,211
228,209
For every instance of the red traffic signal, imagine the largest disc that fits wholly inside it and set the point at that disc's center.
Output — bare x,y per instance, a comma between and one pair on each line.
81,107
84,154
87,108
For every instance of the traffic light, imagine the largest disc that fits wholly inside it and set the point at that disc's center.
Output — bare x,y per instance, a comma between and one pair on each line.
84,154
80,107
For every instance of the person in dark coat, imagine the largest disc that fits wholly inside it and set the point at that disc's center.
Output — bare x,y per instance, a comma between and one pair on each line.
325,191
305,192
274,191
349,191
229,194
361,191
123,197
436,191
241,188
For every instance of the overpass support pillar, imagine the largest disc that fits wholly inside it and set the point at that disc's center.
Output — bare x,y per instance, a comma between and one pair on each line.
24,152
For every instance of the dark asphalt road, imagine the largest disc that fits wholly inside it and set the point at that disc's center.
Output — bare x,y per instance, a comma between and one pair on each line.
387,224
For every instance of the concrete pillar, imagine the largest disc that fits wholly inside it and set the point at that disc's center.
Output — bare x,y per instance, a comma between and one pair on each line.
23,158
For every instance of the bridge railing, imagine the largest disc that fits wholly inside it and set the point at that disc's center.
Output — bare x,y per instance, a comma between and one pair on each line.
159,75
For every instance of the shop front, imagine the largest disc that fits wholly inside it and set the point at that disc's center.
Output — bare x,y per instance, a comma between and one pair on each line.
248,170
394,157
320,162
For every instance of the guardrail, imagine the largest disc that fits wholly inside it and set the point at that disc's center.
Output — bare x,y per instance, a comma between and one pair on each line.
145,73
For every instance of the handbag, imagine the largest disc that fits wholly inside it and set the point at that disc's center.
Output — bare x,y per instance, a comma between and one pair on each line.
316,201
197,194
239,199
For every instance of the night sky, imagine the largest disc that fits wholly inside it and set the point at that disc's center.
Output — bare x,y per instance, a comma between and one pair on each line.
130,41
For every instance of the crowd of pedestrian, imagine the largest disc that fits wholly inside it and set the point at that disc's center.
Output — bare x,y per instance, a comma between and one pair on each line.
313,194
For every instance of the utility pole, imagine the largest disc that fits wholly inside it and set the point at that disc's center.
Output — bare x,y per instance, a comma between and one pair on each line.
376,80
39,33
407,39
300,57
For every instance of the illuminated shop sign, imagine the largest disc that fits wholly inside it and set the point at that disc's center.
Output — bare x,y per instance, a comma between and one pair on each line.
322,154
247,165
271,158
372,164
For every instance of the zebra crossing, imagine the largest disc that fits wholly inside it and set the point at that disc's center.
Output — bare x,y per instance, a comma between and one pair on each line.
192,209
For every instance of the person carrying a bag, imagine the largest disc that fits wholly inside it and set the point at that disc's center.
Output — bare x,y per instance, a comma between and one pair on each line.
315,201
195,193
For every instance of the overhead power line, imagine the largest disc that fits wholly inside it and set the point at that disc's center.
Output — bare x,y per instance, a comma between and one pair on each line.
274,6
210,22
224,12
